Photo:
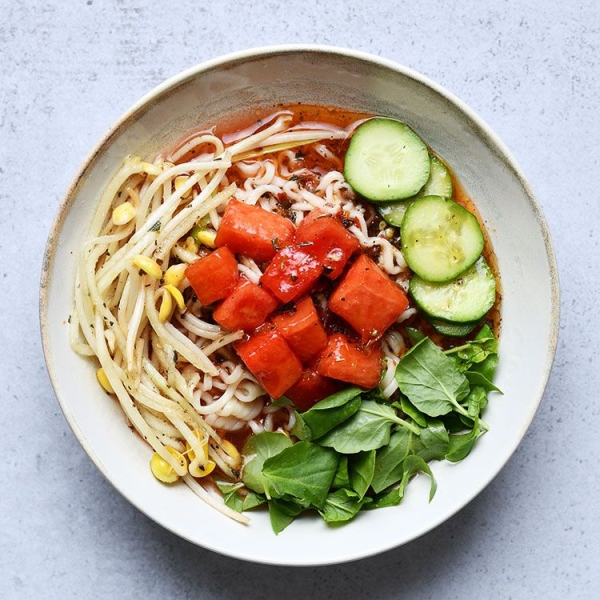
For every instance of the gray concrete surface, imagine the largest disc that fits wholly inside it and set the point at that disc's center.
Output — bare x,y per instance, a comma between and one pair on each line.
530,69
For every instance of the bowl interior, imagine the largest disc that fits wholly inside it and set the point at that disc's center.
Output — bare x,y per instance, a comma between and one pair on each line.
237,85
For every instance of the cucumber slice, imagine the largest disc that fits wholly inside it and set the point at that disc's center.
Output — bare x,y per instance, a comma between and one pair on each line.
440,238
453,329
393,212
386,160
463,300
438,184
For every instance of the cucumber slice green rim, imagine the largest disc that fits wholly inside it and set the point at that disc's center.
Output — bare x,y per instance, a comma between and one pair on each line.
393,212
386,160
438,184
440,238
452,329
463,300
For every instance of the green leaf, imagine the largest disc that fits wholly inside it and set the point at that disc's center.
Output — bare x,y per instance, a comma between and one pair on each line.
480,380
435,441
487,366
367,429
414,335
300,429
411,465
282,512
253,499
388,468
475,351
483,373
453,422
361,467
476,402
328,413
304,471
415,464
283,401
409,409
342,505
486,337
375,394
238,497
341,478
460,444
262,446
485,334
431,380
388,498
231,497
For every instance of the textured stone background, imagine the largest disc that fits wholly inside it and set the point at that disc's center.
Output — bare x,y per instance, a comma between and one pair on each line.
529,68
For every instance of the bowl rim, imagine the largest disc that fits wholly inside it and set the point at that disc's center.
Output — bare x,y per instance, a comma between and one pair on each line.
142,105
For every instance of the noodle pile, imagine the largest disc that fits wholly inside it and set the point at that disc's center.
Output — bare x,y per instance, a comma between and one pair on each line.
178,380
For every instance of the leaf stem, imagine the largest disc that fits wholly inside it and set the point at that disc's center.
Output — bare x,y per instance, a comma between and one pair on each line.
416,430
457,349
459,409
484,425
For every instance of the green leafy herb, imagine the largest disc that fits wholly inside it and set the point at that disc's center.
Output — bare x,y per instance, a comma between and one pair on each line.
304,471
414,335
454,422
231,497
412,465
356,450
341,478
262,446
476,351
283,401
342,505
367,429
431,380
388,460
409,409
238,497
482,373
392,497
435,441
476,402
387,499
460,444
361,468
327,414
283,512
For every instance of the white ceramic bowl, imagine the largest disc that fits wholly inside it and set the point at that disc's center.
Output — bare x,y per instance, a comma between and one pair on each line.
234,84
